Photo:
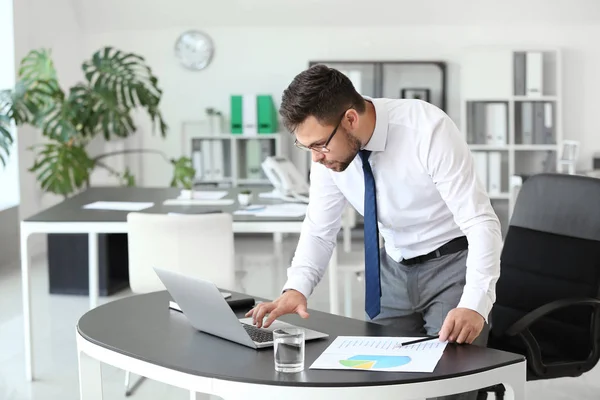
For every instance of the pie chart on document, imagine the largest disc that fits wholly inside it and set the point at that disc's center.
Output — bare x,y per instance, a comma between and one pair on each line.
375,362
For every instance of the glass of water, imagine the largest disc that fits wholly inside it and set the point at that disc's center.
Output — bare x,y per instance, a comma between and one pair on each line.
289,349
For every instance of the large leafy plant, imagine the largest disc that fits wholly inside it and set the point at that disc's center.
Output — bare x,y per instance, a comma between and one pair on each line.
116,84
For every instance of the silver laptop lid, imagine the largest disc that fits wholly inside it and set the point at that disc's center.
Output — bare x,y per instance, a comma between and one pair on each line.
204,306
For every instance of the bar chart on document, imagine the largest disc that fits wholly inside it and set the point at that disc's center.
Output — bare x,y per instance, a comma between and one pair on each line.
380,354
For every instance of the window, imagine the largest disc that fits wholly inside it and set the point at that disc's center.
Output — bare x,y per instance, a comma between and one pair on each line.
9,175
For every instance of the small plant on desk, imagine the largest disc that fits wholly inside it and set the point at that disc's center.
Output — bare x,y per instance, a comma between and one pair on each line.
245,197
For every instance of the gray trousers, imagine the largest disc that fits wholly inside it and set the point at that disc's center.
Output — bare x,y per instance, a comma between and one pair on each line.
417,298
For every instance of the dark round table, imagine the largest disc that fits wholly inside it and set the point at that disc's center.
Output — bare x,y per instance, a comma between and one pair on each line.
142,335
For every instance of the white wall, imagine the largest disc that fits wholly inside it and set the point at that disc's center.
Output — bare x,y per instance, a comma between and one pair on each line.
266,59
9,175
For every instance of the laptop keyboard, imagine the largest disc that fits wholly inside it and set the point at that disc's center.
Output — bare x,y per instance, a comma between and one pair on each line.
258,335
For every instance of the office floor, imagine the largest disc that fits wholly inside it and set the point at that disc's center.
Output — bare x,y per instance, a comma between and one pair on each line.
55,318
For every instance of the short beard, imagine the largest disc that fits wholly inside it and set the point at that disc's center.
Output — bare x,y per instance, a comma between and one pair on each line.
354,145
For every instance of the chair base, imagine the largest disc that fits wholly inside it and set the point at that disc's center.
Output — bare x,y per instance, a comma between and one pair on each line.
498,391
129,391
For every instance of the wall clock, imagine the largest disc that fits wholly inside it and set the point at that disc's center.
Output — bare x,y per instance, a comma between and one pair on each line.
194,49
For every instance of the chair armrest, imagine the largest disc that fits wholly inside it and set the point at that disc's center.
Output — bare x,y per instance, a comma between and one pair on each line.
534,359
531,317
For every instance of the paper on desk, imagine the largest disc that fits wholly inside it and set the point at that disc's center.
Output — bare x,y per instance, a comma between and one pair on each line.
198,202
203,194
276,210
274,194
371,353
118,205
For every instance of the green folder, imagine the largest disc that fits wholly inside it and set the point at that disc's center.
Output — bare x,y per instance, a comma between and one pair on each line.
267,114
237,119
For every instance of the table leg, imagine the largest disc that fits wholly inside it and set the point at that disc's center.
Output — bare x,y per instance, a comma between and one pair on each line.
90,377
514,379
333,283
515,393
347,235
93,269
515,389
26,298
348,277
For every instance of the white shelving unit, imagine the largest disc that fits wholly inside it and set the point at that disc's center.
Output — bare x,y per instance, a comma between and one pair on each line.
526,83
231,152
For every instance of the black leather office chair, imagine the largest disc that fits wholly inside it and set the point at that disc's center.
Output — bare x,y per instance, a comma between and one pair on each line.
547,305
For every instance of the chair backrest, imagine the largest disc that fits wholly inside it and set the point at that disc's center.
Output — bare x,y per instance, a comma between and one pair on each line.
200,245
552,252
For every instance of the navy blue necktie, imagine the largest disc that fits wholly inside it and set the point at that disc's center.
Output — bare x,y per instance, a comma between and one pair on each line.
372,276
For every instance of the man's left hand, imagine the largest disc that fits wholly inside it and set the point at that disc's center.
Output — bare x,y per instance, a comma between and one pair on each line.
461,325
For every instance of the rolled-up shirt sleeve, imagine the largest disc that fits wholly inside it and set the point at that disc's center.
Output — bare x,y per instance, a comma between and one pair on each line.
319,232
448,160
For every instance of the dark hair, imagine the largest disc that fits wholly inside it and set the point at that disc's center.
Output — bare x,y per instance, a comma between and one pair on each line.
322,92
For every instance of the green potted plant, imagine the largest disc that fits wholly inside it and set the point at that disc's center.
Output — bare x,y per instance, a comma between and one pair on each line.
116,84
245,197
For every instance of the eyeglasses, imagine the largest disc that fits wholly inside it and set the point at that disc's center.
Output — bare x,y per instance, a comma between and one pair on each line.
321,148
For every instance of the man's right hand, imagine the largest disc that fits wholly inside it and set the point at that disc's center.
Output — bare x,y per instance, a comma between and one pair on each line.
290,302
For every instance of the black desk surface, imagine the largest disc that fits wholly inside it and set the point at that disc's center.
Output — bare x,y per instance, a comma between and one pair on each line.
71,210
143,327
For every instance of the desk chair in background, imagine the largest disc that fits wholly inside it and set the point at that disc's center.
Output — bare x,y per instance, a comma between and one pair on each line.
547,305
200,245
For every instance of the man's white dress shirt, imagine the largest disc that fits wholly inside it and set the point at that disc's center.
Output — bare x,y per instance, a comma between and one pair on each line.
427,194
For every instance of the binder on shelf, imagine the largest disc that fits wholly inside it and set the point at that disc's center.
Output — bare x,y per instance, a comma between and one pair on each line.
207,160
267,114
476,123
548,134
481,167
519,71
496,123
471,123
526,116
266,150
534,76
218,164
538,123
249,115
253,159
495,173
237,122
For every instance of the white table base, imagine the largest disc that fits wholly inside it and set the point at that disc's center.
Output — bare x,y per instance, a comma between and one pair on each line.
91,355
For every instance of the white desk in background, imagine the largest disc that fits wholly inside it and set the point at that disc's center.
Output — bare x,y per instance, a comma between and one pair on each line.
70,216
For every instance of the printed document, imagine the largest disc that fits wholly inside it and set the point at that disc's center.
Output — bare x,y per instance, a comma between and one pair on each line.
275,210
373,353
118,205
200,198
198,202
203,194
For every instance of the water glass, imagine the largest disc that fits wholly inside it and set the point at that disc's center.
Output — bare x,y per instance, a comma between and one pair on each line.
289,349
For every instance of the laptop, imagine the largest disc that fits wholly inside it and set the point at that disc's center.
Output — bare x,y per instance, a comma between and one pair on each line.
207,310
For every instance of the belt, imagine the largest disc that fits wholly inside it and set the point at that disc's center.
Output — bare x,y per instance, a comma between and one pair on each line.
453,246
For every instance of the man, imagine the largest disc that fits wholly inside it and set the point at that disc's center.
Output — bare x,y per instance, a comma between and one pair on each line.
404,165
